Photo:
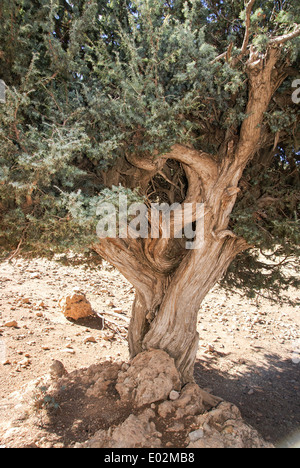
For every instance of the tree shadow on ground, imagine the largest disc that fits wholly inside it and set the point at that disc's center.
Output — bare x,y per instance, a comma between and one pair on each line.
266,392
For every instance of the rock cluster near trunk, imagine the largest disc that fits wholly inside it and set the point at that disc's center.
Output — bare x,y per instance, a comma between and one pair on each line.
135,405
151,377
150,382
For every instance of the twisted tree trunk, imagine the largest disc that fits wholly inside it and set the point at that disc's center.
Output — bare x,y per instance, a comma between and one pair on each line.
171,281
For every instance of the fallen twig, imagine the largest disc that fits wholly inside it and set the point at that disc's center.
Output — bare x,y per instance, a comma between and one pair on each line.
111,321
115,314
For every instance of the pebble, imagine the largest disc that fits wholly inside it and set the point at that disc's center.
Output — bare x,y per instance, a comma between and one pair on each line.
34,275
196,435
25,300
174,395
12,324
57,369
90,339
68,350
23,364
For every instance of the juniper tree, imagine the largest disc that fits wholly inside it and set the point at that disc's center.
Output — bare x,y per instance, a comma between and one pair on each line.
171,102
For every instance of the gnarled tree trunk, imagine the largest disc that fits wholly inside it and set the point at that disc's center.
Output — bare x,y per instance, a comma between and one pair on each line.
170,281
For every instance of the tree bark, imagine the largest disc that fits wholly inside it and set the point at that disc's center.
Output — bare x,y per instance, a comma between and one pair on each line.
171,282
165,309
174,328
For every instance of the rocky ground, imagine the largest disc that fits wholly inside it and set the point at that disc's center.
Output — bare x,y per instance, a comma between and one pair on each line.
121,405
249,355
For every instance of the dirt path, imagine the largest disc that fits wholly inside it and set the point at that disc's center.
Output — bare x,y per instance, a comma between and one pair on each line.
249,352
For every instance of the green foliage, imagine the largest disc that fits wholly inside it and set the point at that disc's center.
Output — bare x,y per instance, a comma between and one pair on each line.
91,81
42,400
267,216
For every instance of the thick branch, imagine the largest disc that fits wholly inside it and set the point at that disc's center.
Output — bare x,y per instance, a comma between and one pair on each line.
129,259
151,163
286,37
249,7
260,71
202,163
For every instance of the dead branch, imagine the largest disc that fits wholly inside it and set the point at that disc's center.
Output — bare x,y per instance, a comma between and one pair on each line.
113,322
115,314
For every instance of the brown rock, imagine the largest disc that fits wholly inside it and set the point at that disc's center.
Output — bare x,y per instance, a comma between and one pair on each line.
57,370
224,427
76,306
151,377
12,324
137,431
189,403
90,339
134,432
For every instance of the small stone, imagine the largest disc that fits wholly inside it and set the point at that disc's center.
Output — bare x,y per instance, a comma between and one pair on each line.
90,339
25,300
35,275
68,350
24,363
174,395
109,337
57,369
12,324
176,427
196,435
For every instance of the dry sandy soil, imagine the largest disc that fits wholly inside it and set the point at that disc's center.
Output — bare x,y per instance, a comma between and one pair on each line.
249,351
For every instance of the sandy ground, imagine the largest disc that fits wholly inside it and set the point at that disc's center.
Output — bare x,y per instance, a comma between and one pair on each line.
249,352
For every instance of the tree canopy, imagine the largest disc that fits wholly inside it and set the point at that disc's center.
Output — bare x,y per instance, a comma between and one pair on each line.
93,86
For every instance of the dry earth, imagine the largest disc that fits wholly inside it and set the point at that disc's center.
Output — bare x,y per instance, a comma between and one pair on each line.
249,351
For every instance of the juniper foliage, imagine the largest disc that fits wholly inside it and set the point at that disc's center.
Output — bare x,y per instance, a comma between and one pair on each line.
91,81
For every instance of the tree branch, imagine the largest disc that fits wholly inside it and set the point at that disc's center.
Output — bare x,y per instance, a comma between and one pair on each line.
220,57
286,37
227,54
129,263
260,71
249,7
203,163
